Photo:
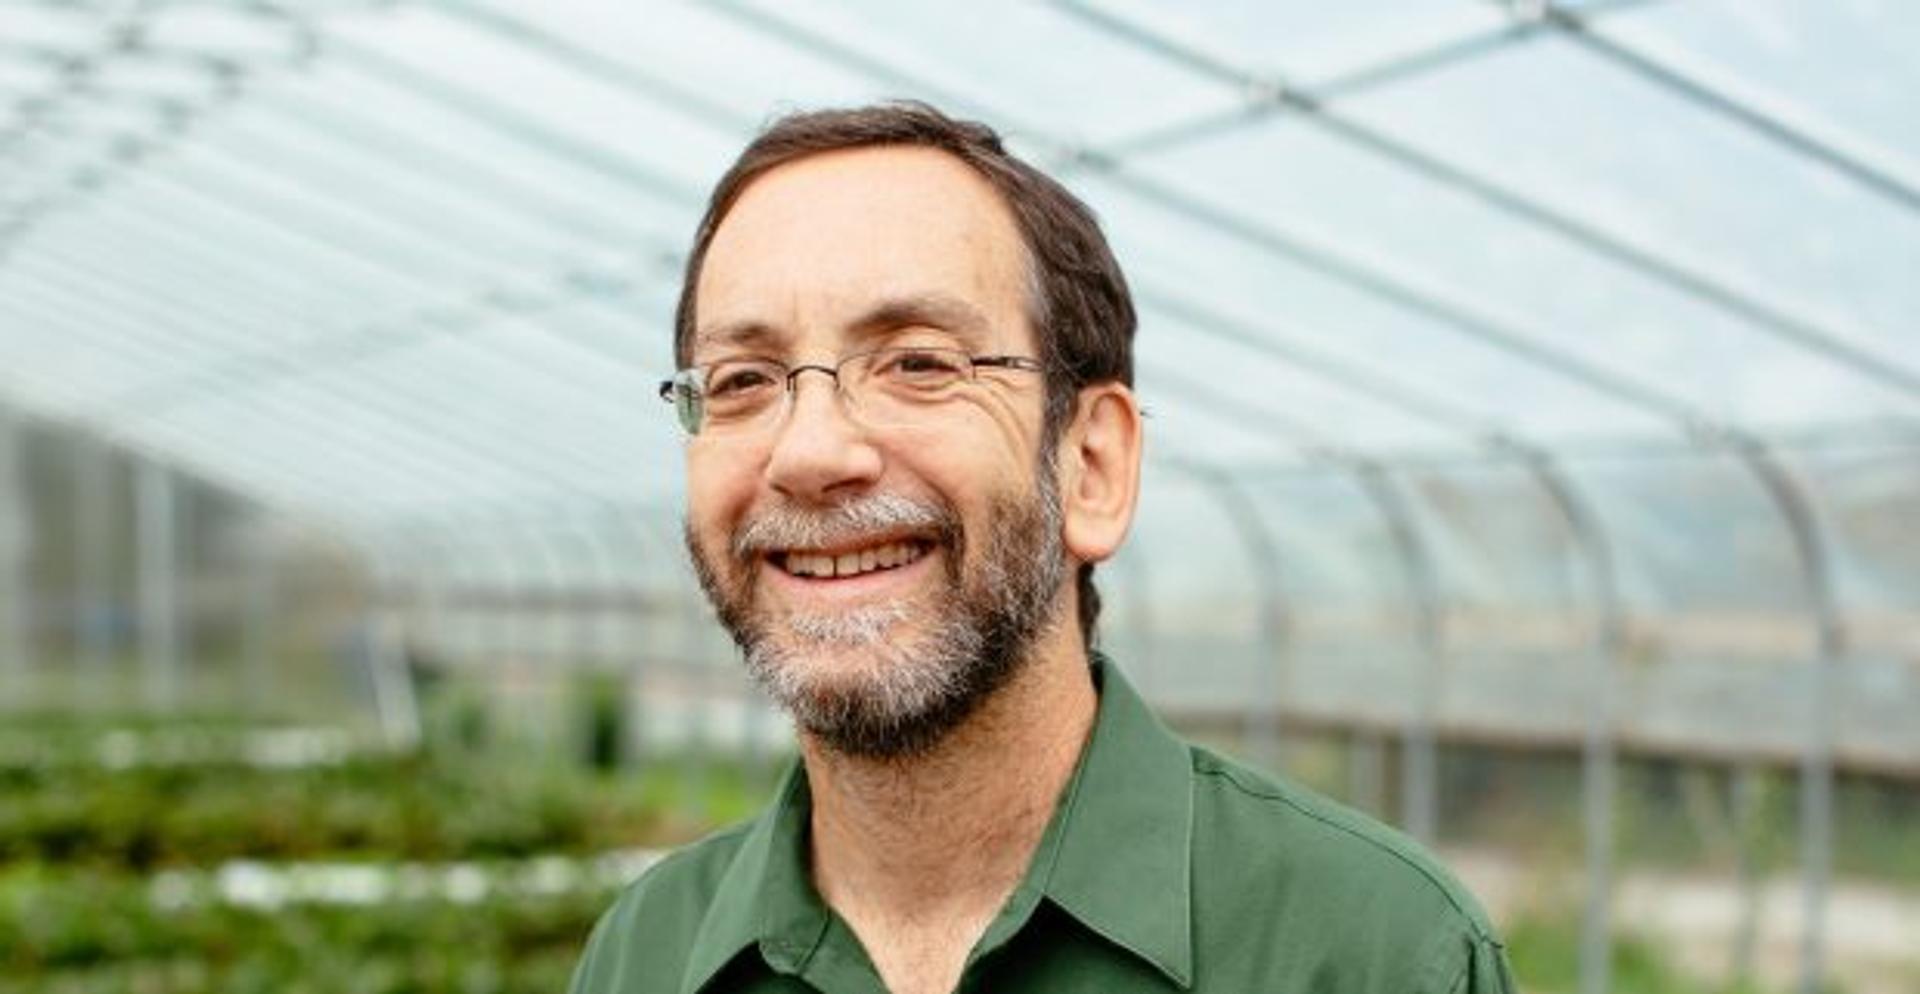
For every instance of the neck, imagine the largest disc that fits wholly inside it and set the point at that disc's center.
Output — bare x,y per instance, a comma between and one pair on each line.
948,834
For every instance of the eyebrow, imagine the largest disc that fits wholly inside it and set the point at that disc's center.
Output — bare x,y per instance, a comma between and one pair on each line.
932,309
745,332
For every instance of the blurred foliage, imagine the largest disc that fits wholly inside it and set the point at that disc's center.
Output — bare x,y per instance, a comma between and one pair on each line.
97,932
1545,953
83,851
395,808
86,852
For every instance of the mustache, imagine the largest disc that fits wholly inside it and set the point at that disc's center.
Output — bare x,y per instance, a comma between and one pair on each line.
787,527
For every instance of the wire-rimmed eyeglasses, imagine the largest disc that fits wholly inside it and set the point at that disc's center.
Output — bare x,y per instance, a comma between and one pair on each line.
889,387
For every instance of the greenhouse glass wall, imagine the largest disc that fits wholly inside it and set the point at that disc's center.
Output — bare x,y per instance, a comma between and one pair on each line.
1533,457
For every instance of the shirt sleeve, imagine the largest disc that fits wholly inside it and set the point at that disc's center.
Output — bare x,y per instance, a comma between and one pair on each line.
1485,971
604,965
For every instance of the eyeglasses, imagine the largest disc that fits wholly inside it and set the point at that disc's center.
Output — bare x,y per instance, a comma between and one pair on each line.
884,388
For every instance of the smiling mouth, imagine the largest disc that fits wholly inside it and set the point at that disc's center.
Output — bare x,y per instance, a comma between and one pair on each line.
851,562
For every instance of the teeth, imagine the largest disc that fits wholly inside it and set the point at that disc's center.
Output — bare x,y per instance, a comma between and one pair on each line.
851,563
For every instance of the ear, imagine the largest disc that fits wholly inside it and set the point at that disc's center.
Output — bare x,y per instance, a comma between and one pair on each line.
1099,469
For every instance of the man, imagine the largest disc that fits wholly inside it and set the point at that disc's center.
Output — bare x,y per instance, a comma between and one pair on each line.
905,365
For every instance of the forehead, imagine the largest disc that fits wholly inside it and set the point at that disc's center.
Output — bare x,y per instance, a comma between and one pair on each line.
814,245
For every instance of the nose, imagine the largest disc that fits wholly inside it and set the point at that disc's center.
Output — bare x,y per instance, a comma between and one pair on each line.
820,453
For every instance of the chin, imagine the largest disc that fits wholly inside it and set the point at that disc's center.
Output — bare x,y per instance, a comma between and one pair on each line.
862,687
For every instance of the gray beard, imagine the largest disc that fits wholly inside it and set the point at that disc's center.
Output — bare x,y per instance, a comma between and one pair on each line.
845,677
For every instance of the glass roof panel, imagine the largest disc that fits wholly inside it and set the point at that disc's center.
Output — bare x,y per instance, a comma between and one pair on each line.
451,210
436,215
23,24
1569,129
1308,43
23,78
1571,298
1362,330
516,77
115,114
1695,532
437,267
1498,544
1103,90
390,448
1206,435
1866,494
168,342
1335,553
247,232
675,45
1183,366
348,224
1845,68
633,325
232,31
155,76
314,287
379,478
114,309
550,413
65,340
428,129
1194,608
276,314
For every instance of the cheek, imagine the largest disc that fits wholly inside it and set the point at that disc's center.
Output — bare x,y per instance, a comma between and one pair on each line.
717,494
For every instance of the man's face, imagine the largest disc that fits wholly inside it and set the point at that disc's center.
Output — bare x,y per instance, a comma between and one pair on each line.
944,534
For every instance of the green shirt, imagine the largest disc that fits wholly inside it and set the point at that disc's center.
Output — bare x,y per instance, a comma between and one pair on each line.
1165,867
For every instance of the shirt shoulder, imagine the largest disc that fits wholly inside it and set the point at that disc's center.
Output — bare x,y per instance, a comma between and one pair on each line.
641,942
1338,900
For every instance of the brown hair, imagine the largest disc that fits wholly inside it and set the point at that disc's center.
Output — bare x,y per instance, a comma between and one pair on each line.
1081,311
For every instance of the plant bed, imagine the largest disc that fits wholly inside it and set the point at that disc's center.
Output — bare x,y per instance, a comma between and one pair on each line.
85,931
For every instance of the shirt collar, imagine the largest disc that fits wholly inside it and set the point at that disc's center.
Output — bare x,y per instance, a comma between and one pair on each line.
1116,855
1123,867
765,896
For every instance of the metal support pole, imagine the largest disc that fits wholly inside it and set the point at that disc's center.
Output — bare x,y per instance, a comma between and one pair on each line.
1419,790
16,531
592,585
93,522
522,636
639,665
562,640
497,621
395,702
599,626
159,573
1262,718
1816,762
1598,759
257,635
1746,814
587,631
1366,771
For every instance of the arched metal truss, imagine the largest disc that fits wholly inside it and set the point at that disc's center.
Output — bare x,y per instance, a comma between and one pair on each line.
408,267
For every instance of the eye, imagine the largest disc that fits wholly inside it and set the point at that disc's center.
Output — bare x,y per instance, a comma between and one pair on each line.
739,379
921,367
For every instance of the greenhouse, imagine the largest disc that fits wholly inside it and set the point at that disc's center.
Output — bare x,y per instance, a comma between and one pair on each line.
1533,458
